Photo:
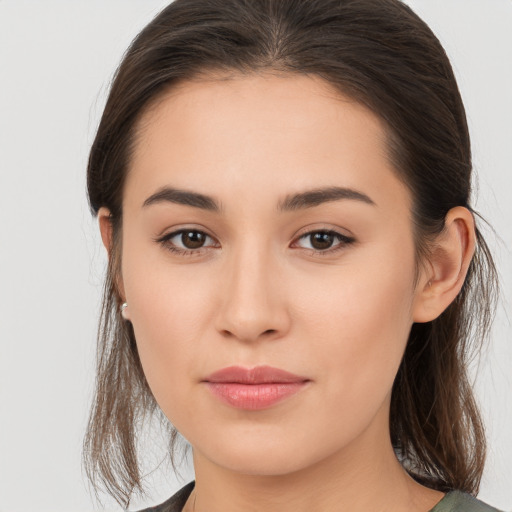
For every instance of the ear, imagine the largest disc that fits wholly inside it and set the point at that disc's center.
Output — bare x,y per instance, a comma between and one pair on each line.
105,224
442,279
106,230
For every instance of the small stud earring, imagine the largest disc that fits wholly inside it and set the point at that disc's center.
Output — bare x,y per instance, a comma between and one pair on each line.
124,305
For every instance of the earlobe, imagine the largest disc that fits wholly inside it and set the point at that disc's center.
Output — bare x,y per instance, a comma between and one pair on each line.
448,265
124,311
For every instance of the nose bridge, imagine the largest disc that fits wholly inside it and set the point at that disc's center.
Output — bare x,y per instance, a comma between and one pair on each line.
252,303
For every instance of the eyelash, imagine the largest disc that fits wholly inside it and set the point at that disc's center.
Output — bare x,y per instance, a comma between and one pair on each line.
343,239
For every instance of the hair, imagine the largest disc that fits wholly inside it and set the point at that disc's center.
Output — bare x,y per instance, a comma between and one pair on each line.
382,55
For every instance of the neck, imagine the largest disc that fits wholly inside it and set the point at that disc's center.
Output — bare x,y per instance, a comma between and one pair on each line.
363,476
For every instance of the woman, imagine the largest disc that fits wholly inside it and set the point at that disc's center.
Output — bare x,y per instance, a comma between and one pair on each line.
295,270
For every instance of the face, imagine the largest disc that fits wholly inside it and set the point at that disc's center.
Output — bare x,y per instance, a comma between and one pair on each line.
264,273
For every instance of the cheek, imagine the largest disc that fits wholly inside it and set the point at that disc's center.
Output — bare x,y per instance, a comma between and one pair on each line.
167,310
359,328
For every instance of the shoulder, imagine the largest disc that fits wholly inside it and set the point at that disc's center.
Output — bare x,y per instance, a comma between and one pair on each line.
457,501
454,501
175,503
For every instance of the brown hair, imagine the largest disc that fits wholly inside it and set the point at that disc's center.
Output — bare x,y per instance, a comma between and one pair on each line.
381,54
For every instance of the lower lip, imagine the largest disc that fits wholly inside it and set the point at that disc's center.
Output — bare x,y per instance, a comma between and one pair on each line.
254,396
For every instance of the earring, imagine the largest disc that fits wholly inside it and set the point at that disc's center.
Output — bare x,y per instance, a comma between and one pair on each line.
124,305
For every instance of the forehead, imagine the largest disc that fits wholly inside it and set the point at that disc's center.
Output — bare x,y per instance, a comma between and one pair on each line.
244,132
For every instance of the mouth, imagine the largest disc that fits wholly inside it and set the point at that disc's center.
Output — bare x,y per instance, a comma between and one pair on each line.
257,375
256,388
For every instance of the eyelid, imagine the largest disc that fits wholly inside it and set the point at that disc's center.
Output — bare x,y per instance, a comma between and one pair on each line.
173,234
324,229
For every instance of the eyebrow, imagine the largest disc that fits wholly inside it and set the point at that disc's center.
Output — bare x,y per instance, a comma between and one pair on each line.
186,197
292,202
315,197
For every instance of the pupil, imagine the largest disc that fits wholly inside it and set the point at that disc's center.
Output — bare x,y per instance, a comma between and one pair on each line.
324,240
192,239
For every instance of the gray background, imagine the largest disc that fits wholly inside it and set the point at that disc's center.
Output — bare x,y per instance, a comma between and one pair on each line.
56,60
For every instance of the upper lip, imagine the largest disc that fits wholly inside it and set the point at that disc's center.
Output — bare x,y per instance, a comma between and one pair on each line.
256,375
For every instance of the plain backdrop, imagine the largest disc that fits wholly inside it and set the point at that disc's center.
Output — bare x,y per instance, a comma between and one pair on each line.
56,61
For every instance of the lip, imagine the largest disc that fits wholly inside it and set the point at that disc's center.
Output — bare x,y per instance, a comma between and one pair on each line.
256,375
254,388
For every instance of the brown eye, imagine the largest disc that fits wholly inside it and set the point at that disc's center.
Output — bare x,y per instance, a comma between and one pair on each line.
185,242
192,239
321,240
326,242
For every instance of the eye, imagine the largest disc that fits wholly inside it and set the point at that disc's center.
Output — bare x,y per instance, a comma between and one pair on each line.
185,241
322,242
191,242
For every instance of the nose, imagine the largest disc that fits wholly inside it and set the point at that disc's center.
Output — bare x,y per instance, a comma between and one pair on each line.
252,296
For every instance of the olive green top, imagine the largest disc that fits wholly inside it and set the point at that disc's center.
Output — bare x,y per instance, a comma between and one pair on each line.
454,501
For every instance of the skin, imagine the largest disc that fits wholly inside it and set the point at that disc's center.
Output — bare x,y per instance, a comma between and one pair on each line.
257,293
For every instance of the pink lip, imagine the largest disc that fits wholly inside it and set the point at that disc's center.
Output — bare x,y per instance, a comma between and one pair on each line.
256,388
257,375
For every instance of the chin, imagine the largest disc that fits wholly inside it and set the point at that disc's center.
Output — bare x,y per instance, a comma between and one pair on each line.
277,456
261,464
